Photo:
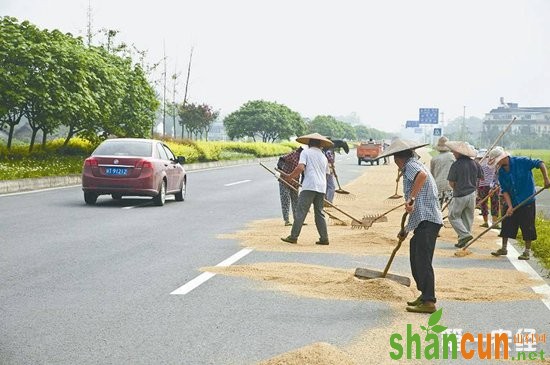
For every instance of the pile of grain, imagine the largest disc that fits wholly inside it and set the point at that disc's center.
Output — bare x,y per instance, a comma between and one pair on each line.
319,353
319,281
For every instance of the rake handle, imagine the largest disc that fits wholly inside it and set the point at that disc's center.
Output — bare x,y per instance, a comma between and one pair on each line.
326,201
387,212
503,218
401,239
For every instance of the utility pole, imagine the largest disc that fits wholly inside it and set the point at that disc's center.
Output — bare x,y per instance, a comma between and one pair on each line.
174,107
186,86
89,32
164,92
463,129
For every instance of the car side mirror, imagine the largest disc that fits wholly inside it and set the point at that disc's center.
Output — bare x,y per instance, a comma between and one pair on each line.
181,160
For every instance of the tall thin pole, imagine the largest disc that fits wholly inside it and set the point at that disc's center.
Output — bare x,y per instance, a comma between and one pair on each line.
187,85
164,93
463,129
174,108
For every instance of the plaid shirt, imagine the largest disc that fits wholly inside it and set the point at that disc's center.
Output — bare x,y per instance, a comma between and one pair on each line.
291,161
426,204
330,157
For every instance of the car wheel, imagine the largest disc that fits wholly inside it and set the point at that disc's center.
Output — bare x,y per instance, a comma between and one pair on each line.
161,196
116,196
180,195
90,198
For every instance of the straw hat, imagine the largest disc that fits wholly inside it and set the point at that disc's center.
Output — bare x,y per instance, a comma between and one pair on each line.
400,145
481,152
441,144
496,155
325,142
461,147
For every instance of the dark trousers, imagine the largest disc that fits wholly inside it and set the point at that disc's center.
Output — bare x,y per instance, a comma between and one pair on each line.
305,199
422,247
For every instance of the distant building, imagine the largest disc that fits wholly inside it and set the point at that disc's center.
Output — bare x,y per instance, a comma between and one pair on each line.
532,120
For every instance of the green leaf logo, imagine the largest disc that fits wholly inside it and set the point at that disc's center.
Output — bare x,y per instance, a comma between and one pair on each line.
432,323
438,328
435,317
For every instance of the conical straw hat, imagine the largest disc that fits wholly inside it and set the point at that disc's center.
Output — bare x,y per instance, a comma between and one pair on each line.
325,142
462,147
400,145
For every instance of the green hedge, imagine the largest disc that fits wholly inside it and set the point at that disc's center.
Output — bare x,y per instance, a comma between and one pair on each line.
56,160
541,247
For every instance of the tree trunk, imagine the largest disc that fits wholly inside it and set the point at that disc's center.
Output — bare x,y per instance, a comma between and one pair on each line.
33,138
10,135
70,135
44,138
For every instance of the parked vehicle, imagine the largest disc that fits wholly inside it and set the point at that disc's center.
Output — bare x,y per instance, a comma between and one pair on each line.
133,167
369,152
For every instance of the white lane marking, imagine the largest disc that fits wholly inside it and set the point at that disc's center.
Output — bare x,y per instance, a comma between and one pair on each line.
523,266
202,278
237,182
39,190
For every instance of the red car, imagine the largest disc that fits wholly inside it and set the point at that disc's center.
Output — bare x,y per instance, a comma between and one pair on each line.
133,166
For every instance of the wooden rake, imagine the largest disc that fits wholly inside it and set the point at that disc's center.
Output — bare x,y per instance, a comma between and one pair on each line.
353,219
462,252
396,196
368,220
374,274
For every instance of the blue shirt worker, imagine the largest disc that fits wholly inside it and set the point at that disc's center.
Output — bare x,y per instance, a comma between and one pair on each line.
314,164
425,221
517,185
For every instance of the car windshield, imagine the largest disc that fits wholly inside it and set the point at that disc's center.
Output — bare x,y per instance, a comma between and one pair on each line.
124,148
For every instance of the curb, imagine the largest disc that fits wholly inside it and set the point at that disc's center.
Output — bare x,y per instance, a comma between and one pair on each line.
15,186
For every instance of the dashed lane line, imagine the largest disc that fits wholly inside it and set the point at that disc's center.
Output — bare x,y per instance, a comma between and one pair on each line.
202,278
237,182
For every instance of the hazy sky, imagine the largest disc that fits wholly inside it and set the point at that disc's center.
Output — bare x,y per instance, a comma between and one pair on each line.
380,59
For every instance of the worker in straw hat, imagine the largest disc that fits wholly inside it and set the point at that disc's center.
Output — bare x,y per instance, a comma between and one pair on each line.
439,167
314,164
517,184
425,220
463,178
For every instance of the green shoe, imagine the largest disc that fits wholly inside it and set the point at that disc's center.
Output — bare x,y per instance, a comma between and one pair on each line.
422,308
524,256
500,252
416,302
485,225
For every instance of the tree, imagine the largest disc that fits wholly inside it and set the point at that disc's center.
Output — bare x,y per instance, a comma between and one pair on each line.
269,120
198,118
15,69
327,125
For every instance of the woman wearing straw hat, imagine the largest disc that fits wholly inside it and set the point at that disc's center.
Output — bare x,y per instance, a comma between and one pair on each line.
314,164
439,167
517,184
463,176
424,220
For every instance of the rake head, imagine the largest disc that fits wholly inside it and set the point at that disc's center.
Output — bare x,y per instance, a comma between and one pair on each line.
368,220
344,195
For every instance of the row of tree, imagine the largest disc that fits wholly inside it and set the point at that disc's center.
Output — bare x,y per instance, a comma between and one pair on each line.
53,79
58,83
271,121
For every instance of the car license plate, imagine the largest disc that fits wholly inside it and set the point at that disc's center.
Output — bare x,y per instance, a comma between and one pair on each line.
116,171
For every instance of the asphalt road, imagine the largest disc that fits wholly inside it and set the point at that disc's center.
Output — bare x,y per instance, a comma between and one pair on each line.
92,284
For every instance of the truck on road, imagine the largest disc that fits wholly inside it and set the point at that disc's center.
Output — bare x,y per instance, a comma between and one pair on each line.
369,152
